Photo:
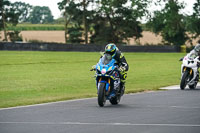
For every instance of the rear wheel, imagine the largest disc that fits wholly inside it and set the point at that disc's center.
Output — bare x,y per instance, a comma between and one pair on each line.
115,100
101,94
184,80
193,86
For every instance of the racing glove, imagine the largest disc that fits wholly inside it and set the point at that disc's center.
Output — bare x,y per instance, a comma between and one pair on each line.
122,69
93,68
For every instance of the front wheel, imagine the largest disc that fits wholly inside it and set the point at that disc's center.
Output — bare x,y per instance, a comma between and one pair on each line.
184,80
101,94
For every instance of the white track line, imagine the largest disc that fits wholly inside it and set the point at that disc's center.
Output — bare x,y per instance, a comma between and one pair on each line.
42,104
102,124
66,101
175,87
178,107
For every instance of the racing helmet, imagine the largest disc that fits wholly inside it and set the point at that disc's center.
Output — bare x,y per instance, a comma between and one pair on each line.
197,48
111,49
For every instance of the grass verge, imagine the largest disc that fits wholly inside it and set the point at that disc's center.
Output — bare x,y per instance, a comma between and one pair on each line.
38,77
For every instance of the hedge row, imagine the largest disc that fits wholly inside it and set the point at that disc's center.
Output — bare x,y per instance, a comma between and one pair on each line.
29,27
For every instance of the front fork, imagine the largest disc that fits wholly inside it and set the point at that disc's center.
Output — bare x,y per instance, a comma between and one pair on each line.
192,71
106,81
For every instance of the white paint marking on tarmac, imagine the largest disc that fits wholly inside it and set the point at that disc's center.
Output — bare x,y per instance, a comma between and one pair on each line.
175,87
35,105
102,124
67,101
178,107
184,107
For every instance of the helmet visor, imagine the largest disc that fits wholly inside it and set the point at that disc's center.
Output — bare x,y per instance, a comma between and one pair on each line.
197,48
109,52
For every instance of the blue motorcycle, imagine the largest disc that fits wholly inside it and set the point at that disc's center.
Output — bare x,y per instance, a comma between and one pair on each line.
108,81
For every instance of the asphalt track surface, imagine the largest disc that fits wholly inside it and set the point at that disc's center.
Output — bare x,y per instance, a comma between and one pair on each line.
172,111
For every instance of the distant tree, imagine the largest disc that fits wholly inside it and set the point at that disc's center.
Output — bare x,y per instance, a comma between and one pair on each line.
118,20
8,15
106,20
14,36
76,12
75,36
60,20
40,15
193,21
169,23
23,9
85,4
69,12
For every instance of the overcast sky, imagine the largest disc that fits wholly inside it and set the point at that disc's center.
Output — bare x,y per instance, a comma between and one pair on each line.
52,4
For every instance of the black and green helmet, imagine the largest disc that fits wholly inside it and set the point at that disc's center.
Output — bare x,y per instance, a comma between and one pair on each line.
110,49
197,48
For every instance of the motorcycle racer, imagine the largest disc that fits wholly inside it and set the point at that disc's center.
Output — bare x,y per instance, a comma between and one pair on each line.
196,50
112,50
189,68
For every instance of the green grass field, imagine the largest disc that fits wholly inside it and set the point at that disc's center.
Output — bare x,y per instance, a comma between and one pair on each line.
37,77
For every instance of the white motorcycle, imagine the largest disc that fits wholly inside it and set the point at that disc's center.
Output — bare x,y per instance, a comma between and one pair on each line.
189,71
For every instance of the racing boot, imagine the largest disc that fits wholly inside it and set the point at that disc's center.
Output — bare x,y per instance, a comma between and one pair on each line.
122,83
122,88
197,77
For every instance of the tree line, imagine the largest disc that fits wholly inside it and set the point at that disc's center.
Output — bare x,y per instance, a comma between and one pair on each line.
20,12
104,21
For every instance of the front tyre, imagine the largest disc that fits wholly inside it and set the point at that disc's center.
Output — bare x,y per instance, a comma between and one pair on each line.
101,94
184,80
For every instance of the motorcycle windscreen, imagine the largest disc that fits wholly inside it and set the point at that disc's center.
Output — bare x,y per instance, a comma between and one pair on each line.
106,59
192,55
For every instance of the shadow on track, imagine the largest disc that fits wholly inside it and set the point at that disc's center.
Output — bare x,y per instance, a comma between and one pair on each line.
191,90
187,89
118,106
